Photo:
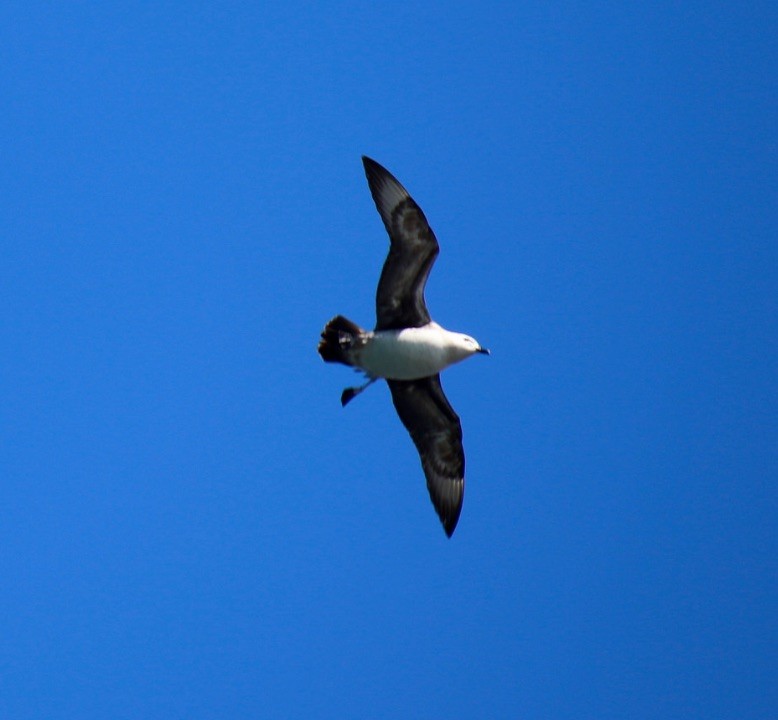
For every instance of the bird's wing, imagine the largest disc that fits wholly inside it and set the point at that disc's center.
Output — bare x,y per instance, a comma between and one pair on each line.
437,434
413,249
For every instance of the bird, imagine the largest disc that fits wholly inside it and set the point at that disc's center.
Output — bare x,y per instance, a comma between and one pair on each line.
407,348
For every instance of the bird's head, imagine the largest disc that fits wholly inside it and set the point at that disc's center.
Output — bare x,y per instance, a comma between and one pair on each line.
472,346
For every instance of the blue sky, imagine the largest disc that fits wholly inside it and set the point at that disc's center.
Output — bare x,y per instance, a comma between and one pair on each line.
191,524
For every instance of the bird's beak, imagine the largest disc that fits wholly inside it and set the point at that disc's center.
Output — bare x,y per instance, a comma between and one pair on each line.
483,351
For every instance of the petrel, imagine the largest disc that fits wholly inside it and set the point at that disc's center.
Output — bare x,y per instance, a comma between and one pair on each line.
407,348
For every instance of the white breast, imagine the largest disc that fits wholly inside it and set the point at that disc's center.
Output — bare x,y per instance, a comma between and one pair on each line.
410,354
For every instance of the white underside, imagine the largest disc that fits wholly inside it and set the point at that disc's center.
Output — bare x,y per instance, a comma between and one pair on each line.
412,353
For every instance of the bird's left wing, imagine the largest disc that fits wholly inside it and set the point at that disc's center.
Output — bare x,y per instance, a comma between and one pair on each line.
413,249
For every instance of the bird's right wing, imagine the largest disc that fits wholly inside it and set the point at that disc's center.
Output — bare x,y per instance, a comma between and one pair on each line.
437,434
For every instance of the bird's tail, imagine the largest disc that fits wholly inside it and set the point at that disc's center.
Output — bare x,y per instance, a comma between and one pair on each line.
337,338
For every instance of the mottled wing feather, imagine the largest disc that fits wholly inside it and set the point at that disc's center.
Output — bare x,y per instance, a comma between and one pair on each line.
413,249
437,434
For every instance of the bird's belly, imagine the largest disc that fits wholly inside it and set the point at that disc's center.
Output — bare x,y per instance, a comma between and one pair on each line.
404,355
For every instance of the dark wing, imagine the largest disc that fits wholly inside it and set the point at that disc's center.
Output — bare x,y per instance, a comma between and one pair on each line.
437,434
413,249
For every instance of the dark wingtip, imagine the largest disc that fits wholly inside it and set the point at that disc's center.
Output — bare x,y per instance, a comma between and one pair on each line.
450,523
449,512
374,170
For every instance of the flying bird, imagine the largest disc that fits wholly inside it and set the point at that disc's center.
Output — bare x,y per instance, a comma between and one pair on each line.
407,348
